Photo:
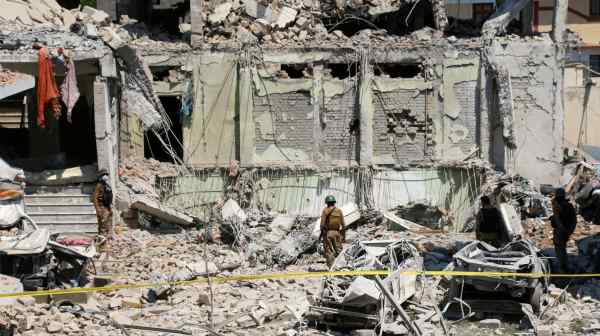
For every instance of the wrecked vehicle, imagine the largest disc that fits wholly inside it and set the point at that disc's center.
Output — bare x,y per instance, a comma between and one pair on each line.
356,301
519,256
27,251
23,244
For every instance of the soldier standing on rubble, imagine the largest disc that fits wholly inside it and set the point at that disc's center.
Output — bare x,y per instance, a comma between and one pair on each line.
103,197
489,226
563,220
332,230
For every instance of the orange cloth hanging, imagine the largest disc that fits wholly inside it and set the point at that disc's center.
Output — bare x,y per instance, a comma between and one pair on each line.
47,93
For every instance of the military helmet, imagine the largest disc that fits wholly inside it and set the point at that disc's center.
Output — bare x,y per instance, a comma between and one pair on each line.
330,199
102,172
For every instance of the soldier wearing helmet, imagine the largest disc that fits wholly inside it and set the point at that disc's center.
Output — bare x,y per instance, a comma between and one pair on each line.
332,230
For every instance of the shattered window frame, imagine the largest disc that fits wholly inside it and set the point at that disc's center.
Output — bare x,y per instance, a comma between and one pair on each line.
595,8
595,65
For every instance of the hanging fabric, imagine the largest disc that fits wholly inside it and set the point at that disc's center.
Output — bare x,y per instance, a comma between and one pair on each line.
187,101
47,93
68,89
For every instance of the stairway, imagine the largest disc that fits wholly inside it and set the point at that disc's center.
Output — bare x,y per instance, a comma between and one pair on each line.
62,210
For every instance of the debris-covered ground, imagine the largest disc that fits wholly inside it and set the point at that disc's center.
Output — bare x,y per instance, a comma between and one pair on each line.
165,268
261,307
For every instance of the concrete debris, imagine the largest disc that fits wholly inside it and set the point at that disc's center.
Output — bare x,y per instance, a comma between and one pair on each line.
361,294
13,82
220,13
242,231
397,223
286,16
512,221
155,209
232,211
490,323
431,217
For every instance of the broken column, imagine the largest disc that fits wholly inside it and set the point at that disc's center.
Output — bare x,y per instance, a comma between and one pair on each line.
197,23
498,22
559,24
440,14
317,101
104,129
365,101
245,119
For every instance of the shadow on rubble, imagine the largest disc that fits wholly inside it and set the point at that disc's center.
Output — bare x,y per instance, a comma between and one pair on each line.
578,264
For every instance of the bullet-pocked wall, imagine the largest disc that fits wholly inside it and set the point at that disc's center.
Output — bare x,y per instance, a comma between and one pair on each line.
320,108
399,112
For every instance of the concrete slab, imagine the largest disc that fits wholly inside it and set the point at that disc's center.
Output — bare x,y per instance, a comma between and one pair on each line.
220,13
24,82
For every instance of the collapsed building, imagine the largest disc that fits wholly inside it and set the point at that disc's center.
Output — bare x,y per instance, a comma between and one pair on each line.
259,110
282,103
365,108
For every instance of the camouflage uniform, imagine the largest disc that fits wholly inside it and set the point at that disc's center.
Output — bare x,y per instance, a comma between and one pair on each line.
332,233
103,213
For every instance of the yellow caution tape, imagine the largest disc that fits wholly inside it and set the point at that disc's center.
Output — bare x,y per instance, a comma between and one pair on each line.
291,275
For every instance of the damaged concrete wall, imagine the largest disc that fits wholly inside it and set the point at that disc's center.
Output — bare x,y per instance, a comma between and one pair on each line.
453,189
581,101
131,137
402,125
301,191
462,117
339,121
284,122
209,138
445,112
538,115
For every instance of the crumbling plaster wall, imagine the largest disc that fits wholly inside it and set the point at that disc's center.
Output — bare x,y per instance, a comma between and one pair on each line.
402,123
340,114
301,191
243,112
538,116
462,114
581,101
210,137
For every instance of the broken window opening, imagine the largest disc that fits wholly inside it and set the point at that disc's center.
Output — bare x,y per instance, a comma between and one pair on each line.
294,71
594,65
61,144
398,70
168,17
153,147
167,74
341,70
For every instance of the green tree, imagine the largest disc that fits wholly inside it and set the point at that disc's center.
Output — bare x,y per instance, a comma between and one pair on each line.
91,3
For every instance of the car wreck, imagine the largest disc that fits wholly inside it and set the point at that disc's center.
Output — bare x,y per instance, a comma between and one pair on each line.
357,301
28,252
519,256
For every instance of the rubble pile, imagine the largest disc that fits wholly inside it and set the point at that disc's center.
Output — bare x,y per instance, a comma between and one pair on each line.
308,23
8,77
423,214
140,175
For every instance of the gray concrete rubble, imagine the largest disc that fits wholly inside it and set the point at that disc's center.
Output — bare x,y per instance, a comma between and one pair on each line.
224,125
